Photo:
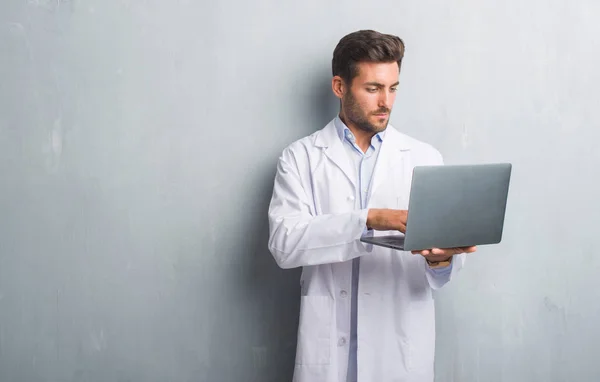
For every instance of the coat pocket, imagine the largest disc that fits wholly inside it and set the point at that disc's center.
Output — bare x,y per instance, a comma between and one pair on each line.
314,330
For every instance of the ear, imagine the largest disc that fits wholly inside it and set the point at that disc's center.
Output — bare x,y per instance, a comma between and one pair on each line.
338,86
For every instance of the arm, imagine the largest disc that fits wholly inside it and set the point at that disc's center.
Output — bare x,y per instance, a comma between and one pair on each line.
298,237
440,276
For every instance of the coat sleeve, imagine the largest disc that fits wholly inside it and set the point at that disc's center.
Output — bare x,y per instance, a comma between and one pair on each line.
299,238
438,277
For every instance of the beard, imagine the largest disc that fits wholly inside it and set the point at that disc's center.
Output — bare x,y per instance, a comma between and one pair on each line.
360,118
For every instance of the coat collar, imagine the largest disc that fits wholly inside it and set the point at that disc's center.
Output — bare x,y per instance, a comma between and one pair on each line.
328,137
329,140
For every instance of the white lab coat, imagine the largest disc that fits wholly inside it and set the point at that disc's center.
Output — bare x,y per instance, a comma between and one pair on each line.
314,224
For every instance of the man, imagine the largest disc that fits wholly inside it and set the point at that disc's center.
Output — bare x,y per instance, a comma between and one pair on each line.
367,312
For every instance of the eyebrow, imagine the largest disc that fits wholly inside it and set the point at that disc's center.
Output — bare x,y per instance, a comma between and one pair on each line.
379,85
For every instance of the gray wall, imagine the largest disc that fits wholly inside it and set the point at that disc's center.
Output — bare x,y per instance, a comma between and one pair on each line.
138,142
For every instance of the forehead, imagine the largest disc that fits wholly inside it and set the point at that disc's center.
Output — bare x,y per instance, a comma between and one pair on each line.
385,73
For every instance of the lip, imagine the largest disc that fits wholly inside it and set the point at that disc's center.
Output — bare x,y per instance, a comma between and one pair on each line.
381,115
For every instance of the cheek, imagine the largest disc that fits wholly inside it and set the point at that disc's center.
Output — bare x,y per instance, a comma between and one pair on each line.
369,104
360,105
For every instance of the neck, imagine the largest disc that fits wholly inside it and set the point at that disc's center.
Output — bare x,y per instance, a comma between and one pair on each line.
363,138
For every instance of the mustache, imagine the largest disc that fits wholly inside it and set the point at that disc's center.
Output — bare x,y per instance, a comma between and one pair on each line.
381,111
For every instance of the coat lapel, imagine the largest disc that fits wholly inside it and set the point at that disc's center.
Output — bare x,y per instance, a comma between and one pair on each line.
329,140
393,159
394,144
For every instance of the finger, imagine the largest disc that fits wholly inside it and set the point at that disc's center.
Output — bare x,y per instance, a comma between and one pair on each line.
437,258
452,251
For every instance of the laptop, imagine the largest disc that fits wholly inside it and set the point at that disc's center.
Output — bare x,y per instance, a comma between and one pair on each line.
453,206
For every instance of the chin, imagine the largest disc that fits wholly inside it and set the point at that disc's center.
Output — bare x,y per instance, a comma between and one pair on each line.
380,126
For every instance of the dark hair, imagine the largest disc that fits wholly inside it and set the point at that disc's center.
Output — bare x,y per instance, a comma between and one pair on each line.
365,46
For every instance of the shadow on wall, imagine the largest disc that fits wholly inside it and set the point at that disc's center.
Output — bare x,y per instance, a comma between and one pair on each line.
323,105
274,291
317,105
276,294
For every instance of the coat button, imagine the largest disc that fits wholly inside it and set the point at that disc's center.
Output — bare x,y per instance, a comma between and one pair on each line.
342,341
343,294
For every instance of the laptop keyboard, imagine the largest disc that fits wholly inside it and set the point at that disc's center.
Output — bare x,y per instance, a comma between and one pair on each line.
393,240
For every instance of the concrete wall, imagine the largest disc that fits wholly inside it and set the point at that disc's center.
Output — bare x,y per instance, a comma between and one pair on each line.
138,142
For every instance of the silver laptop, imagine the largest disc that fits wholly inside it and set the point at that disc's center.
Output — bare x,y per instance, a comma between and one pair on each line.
453,206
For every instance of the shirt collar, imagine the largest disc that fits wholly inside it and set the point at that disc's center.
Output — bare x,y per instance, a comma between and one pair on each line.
343,130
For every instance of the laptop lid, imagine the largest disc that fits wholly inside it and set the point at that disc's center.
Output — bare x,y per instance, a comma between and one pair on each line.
457,205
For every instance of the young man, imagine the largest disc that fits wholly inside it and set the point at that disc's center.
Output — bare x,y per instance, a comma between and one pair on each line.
367,312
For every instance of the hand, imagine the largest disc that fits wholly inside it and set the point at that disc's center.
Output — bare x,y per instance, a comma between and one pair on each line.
438,254
387,220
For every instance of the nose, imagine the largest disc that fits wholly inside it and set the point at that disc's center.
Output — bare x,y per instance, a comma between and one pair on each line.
385,99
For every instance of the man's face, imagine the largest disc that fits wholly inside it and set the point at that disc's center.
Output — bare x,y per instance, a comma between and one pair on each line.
368,102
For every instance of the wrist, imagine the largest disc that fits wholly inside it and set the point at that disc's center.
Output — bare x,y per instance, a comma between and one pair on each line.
373,217
439,264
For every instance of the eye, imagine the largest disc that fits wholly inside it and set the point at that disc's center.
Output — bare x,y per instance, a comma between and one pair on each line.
393,90
371,90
